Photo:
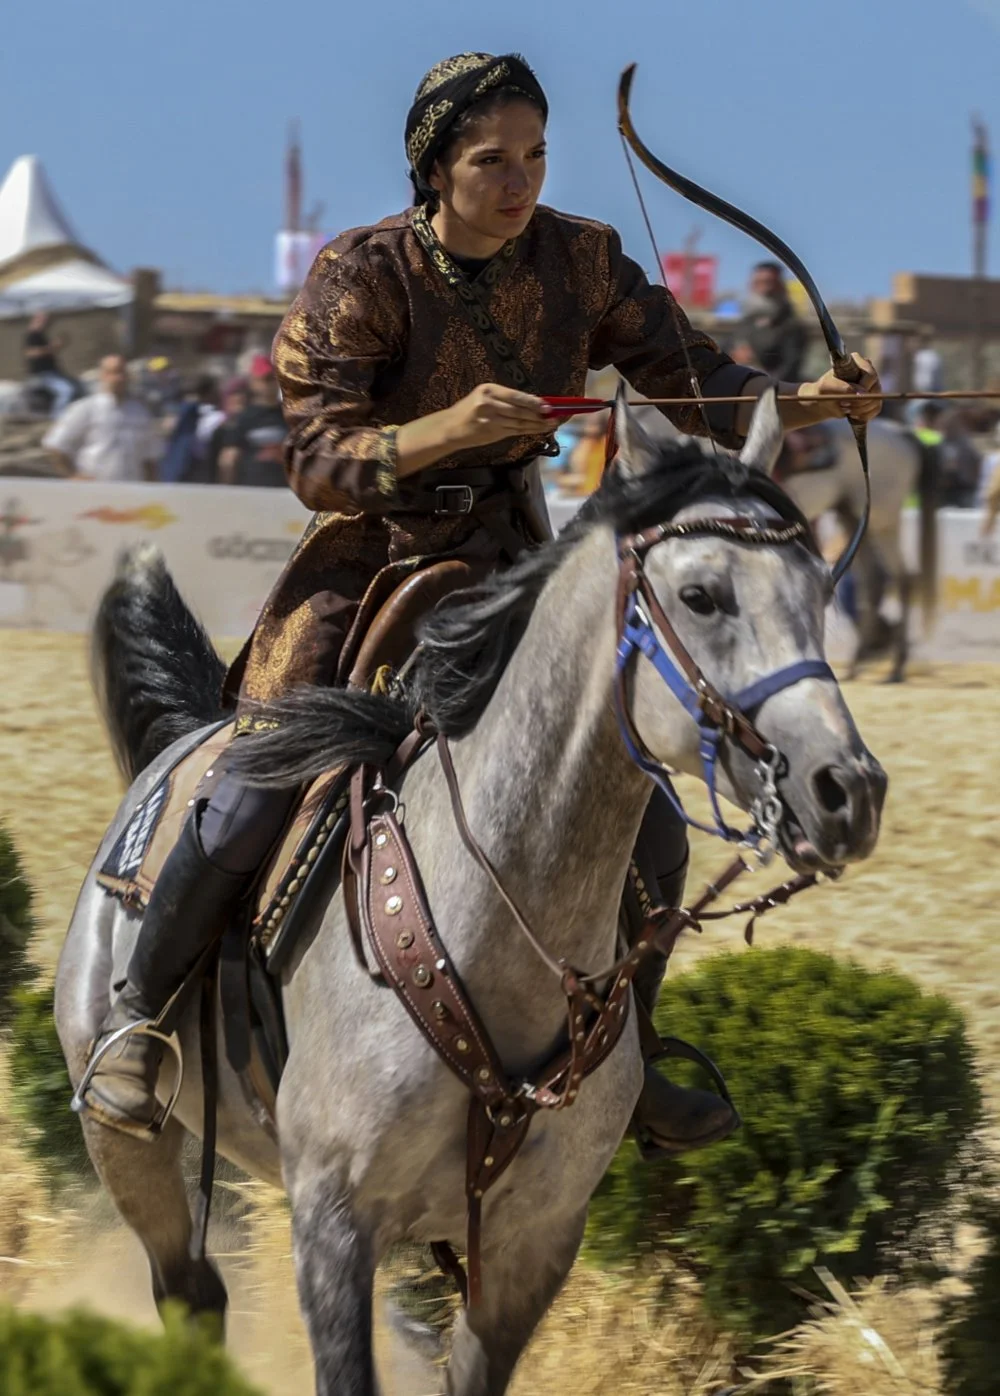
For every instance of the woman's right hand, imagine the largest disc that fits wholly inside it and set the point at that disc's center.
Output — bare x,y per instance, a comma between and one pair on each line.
492,412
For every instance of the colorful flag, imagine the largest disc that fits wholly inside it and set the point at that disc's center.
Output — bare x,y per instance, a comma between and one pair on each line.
980,173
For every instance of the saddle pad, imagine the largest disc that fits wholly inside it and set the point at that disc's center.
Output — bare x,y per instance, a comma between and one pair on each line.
134,863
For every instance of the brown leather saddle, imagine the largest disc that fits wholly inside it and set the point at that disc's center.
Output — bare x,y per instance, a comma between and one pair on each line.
283,900
384,633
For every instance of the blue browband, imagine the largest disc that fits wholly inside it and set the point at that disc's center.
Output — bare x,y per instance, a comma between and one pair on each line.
639,636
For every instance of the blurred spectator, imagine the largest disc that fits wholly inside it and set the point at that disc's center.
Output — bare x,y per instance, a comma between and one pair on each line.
988,496
928,367
109,435
960,465
186,452
253,441
927,417
41,364
159,385
777,339
926,375
234,399
585,463
991,501
742,353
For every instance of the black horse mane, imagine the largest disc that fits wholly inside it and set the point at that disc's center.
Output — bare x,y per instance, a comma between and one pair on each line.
468,640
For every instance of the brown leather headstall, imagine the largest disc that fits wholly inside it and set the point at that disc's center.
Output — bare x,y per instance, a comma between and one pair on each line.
632,579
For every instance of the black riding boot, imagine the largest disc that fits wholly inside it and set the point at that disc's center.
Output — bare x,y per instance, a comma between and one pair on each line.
669,1119
187,911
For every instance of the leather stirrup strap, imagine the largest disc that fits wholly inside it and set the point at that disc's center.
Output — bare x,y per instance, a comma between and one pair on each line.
210,1112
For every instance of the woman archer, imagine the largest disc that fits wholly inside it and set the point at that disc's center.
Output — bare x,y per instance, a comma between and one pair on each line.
413,367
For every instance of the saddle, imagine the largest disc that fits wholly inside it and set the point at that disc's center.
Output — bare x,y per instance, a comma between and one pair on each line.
805,451
281,902
384,631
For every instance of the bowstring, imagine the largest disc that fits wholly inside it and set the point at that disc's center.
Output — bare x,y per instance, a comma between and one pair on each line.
693,380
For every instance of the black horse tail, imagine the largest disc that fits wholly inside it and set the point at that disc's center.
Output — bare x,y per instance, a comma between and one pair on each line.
929,486
155,672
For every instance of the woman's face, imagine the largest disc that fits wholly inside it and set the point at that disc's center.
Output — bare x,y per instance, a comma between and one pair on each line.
491,179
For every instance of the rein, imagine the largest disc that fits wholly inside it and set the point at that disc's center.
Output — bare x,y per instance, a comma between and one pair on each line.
718,718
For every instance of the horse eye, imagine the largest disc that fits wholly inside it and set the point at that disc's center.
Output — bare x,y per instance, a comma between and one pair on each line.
698,600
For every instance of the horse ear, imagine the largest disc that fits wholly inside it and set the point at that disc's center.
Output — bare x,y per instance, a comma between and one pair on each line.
766,435
637,453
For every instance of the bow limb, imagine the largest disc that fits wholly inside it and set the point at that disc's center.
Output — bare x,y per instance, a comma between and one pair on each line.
733,215
843,364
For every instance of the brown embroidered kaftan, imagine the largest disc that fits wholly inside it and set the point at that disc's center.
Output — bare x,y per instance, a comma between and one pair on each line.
384,331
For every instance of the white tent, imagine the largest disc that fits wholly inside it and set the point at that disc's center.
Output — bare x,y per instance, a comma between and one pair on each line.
74,285
30,217
70,277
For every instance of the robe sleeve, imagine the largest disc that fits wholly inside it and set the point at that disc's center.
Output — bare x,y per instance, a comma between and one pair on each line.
345,327
644,332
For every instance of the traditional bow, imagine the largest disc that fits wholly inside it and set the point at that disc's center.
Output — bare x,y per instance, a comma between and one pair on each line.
843,365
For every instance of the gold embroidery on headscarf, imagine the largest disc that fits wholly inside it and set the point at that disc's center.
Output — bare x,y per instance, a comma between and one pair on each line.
494,76
426,130
450,68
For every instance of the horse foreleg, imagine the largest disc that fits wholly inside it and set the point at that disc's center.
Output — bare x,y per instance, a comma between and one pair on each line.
335,1271
522,1274
147,1187
901,650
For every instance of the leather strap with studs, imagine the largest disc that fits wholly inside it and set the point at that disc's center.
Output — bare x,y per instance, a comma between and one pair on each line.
415,963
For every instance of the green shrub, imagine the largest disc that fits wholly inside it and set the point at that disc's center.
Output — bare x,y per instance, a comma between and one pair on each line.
40,1086
82,1354
16,926
970,1347
859,1100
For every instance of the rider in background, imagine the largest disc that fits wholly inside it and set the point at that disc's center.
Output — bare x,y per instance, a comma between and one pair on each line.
42,366
412,369
774,334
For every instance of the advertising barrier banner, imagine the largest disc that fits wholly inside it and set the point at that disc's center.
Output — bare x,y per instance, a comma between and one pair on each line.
59,540
226,546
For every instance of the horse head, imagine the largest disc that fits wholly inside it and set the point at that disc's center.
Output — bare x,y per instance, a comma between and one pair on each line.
728,593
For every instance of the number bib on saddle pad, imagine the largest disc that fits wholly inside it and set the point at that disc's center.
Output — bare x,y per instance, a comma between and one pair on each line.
140,851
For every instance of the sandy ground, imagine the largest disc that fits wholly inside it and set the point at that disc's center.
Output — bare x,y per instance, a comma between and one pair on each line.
926,903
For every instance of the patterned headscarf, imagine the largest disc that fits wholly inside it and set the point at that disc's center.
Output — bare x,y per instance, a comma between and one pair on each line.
449,89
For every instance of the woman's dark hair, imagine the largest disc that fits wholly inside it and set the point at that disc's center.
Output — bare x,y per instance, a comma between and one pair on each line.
486,106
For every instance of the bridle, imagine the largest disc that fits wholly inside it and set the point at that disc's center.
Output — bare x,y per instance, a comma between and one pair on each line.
639,616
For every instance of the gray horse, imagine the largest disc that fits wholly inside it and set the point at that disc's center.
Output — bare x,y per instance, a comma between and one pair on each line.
900,467
371,1123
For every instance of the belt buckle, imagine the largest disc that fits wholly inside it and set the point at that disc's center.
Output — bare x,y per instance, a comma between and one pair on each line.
454,499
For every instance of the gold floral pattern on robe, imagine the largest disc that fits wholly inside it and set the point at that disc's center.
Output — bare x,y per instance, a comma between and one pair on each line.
376,338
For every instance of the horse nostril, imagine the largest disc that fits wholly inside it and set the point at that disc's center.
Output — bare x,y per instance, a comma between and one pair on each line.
829,790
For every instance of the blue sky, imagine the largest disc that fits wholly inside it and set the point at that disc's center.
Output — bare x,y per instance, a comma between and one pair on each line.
845,126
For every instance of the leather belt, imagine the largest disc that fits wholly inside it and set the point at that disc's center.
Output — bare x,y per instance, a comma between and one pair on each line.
457,492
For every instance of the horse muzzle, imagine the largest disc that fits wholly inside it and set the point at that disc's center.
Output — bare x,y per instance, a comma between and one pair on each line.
833,813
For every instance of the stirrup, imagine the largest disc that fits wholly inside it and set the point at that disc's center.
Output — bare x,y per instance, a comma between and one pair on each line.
687,1052
145,1027
649,1150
